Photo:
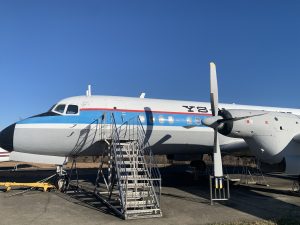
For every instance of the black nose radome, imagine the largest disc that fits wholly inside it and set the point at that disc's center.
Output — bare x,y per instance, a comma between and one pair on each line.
7,138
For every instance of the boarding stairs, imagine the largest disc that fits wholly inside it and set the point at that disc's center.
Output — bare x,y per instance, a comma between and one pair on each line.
132,182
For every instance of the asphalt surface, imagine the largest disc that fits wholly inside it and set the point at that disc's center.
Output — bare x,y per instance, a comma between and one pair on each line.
184,201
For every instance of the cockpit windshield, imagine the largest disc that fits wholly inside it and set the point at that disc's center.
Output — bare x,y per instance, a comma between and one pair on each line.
65,109
60,108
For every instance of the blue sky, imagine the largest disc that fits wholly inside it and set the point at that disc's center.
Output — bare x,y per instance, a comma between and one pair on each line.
53,49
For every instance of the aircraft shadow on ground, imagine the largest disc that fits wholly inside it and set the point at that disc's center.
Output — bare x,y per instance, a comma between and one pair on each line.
256,201
86,199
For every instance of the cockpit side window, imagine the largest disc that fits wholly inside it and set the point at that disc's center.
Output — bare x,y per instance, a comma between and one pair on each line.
60,108
72,109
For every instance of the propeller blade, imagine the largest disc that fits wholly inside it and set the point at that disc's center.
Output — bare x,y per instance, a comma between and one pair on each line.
213,123
218,167
238,118
214,97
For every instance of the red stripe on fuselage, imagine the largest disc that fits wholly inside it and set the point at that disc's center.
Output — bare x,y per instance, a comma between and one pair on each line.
136,110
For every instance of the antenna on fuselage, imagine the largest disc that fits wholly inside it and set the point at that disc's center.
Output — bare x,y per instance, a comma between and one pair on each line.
89,90
143,94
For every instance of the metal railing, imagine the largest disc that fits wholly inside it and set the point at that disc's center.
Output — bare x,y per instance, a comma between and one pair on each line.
133,129
118,160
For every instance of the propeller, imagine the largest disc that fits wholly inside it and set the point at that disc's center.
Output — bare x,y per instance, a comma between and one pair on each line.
216,122
213,121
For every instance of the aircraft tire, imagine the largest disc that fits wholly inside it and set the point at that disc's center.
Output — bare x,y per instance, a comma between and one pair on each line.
200,165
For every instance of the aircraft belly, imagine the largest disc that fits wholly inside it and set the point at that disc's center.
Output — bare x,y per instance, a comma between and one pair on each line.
46,140
72,139
180,140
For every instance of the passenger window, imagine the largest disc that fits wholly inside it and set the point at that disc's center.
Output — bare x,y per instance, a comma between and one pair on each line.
151,119
60,108
161,119
72,109
198,120
142,118
189,120
171,119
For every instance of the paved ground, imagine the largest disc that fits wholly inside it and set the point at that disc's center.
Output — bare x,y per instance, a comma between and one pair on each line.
184,201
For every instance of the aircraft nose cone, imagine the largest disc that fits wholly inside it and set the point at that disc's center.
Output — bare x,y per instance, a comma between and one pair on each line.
7,138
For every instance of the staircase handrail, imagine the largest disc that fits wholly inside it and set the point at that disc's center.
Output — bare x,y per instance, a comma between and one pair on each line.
116,141
126,130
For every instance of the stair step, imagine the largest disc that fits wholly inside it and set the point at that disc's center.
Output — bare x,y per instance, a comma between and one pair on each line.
138,185
131,165
137,156
134,177
128,153
124,144
140,211
135,198
143,213
132,173
134,194
138,204
128,162
132,169
123,181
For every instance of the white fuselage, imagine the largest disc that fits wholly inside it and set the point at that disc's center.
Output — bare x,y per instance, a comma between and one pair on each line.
172,127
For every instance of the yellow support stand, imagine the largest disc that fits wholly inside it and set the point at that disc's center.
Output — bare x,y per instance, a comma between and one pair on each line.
44,186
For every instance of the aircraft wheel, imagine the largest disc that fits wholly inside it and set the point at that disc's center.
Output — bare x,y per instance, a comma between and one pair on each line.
61,184
199,165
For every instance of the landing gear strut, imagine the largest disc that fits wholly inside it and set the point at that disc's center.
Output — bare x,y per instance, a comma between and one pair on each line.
61,182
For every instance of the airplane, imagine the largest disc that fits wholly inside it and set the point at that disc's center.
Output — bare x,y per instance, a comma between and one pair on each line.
174,128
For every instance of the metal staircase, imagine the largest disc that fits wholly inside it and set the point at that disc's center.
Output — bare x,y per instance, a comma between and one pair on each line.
132,182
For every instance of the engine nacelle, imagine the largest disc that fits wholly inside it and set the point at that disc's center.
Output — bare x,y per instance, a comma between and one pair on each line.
268,134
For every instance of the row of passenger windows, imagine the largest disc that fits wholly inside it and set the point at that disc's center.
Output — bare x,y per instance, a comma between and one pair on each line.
70,110
170,119
73,109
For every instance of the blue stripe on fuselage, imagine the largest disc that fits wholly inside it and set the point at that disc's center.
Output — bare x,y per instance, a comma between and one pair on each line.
90,116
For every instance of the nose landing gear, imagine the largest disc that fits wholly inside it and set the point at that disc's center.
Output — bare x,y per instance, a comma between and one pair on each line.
296,185
61,182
